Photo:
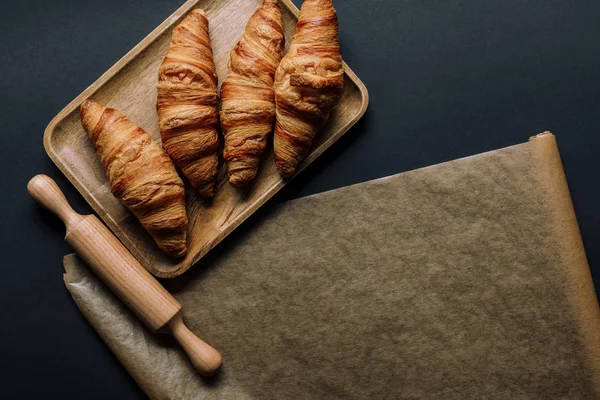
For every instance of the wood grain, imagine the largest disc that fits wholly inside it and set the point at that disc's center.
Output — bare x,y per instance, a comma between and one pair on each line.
123,274
130,86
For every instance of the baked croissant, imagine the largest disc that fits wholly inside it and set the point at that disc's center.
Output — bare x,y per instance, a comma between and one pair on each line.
308,84
247,98
141,175
187,103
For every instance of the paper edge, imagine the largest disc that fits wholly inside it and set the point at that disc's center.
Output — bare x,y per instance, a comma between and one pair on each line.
552,178
69,262
384,178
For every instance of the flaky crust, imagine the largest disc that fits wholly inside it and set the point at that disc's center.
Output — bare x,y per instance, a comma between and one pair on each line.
308,84
187,103
141,175
247,97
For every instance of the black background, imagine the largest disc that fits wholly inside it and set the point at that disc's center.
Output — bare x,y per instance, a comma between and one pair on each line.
447,79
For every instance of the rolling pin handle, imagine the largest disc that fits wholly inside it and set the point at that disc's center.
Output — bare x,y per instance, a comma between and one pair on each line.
204,358
47,193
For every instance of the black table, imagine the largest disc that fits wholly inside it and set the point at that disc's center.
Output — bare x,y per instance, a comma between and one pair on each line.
446,80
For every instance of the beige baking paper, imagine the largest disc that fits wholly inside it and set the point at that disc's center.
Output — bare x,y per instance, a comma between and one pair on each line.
464,280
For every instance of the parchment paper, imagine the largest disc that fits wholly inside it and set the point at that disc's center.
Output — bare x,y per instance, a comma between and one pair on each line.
464,280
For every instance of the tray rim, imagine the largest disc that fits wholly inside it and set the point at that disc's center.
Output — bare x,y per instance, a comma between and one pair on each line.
116,68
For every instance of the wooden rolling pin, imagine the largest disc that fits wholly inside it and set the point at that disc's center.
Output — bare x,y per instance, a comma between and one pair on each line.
127,278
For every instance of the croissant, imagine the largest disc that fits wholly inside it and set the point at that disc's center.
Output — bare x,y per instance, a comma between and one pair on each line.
247,98
187,103
308,84
141,175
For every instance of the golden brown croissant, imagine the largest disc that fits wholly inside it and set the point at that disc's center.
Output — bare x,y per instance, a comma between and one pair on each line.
247,98
187,103
141,175
308,84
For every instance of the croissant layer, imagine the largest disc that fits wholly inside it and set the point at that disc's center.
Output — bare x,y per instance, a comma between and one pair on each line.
141,175
308,84
247,97
187,103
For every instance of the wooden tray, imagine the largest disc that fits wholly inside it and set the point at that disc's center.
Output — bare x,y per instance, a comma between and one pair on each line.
130,86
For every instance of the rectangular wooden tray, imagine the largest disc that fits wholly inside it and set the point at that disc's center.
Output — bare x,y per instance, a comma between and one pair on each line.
130,86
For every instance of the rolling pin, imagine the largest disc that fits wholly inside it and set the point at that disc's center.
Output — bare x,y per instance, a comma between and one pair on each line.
125,276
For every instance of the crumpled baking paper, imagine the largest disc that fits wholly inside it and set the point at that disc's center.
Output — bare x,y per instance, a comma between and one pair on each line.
464,280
